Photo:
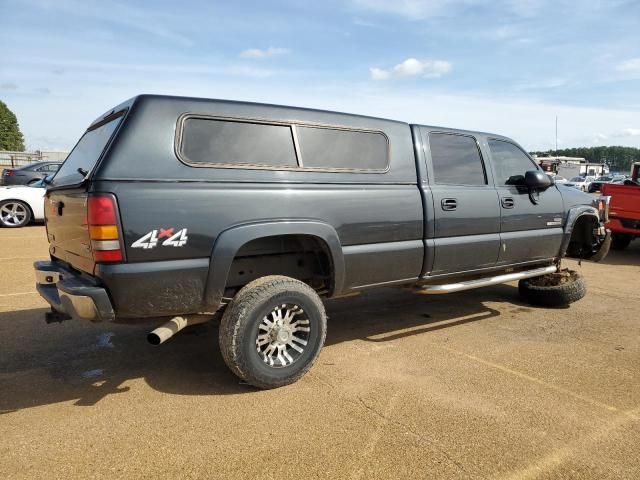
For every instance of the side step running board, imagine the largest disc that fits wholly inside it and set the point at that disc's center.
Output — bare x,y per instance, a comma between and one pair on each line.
485,282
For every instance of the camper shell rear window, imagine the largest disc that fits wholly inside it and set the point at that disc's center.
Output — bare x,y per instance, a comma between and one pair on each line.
85,155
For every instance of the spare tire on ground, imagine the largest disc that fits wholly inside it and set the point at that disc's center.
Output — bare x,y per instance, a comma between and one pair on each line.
553,289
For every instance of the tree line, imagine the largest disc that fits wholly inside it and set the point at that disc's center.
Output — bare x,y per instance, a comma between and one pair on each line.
619,159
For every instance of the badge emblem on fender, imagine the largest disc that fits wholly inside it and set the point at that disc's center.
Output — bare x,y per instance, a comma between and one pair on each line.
154,237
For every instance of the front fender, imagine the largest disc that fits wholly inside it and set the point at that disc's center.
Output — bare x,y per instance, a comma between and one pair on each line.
603,238
230,241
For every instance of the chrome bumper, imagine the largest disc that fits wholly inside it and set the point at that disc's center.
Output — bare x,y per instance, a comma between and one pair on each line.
72,294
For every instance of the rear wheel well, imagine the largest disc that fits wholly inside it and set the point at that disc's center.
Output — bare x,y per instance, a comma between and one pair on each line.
304,257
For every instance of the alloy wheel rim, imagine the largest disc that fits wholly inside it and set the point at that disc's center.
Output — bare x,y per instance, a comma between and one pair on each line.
13,214
283,335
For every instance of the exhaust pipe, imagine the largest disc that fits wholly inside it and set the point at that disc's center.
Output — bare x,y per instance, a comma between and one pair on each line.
173,326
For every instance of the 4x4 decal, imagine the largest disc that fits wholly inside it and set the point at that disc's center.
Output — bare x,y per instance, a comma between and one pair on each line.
151,239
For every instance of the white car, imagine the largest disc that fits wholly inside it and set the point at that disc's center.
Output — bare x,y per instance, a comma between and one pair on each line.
20,205
559,179
581,183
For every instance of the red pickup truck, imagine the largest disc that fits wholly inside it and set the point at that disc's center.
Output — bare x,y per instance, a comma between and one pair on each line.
624,209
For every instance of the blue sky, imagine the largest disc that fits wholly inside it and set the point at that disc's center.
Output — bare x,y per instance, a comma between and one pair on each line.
505,66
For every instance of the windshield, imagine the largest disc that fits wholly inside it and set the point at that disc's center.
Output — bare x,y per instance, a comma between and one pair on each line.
605,179
85,154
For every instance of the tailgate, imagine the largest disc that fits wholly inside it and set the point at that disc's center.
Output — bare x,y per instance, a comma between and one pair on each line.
66,199
625,200
67,229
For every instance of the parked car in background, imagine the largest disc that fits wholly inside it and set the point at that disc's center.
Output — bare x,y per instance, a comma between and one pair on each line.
624,213
20,205
619,178
32,173
559,179
581,183
597,184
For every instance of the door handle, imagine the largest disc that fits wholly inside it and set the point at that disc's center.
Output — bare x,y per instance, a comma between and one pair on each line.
449,204
507,202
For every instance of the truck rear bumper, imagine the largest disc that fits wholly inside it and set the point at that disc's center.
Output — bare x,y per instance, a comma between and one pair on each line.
624,225
125,291
71,294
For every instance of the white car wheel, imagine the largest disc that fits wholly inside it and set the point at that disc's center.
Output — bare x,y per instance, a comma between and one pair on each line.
14,214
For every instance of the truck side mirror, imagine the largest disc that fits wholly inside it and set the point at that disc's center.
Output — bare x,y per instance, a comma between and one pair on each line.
537,180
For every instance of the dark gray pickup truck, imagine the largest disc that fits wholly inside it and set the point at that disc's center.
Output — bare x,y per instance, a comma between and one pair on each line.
181,209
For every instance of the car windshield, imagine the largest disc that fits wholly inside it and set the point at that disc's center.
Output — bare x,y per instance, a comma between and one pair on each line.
603,179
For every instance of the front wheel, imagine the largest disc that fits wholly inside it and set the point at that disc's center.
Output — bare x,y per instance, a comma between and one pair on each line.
14,214
272,331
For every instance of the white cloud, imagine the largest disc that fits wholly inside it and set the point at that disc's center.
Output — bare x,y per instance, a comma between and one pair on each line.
629,68
379,74
628,132
545,84
421,9
9,86
269,52
414,9
143,19
412,67
364,23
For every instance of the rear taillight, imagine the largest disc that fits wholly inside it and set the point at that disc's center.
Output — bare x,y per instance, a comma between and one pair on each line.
9,173
102,219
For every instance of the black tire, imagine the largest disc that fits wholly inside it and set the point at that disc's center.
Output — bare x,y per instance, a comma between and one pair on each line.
554,289
620,241
243,320
14,222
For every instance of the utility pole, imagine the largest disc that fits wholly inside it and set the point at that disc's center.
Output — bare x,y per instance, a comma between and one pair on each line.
556,137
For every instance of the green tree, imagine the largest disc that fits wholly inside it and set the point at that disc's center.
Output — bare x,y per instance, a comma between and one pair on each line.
10,135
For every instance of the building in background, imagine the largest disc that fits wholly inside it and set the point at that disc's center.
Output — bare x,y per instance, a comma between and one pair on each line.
569,167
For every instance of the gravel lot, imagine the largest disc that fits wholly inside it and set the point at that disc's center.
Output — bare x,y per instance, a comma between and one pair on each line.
470,385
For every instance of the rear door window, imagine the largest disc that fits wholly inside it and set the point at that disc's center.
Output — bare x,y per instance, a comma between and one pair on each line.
456,160
86,153
228,142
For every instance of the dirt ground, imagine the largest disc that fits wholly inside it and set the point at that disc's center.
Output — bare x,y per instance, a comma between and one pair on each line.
470,385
